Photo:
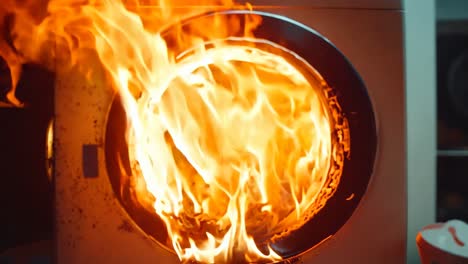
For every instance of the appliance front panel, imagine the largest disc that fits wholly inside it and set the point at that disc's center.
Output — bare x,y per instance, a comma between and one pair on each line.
92,227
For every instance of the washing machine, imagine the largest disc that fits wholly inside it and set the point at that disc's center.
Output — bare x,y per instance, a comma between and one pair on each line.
355,46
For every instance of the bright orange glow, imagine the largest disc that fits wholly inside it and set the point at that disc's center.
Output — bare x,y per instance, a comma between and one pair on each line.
234,141
350,197
50,150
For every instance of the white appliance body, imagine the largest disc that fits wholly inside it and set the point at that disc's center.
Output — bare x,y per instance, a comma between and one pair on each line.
91,225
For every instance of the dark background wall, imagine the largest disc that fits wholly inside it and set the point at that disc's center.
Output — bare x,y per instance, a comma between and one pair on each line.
25,191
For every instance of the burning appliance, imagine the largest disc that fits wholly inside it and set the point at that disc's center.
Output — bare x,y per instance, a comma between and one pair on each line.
337,63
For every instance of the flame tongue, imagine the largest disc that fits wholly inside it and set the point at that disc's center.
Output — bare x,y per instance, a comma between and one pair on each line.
234,141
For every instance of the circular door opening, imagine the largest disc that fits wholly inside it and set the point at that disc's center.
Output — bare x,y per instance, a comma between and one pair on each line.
343,101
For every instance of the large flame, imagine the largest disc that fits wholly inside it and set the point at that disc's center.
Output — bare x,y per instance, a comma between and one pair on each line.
234,141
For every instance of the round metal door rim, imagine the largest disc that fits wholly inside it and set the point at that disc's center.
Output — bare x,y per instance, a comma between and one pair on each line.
357,108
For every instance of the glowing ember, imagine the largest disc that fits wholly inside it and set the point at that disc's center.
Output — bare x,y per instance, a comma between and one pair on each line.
234,141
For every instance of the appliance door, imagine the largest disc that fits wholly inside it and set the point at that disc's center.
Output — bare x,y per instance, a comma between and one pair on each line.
356,108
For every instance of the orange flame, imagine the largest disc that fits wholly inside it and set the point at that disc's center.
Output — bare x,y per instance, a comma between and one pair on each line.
17,20
234,141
